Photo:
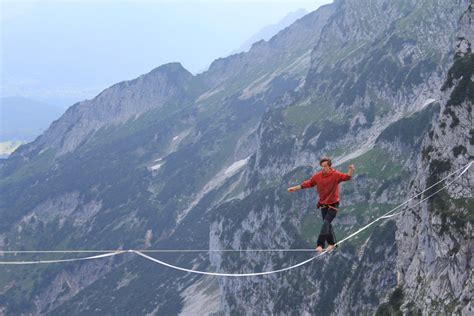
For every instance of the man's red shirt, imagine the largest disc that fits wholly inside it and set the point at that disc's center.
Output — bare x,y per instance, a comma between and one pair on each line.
327,185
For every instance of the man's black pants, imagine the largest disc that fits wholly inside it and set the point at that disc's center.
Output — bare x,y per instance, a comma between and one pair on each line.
327,233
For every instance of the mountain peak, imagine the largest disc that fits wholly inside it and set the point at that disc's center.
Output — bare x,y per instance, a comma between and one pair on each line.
267,32
115,105
170,68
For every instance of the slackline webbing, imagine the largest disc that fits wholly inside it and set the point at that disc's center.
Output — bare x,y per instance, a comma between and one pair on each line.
110,253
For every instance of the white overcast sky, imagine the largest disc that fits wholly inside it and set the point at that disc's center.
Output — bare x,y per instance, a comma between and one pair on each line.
71,50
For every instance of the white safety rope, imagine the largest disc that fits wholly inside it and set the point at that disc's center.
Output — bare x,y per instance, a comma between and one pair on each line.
155,250
109,253
62,260
386,215
227,274
464,169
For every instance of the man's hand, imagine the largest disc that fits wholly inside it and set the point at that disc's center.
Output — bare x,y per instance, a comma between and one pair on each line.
293,189
351,170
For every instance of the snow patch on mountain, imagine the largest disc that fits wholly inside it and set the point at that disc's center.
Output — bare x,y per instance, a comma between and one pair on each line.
236,166
218,180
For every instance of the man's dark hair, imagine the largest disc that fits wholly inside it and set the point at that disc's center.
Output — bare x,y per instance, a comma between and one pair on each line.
323,159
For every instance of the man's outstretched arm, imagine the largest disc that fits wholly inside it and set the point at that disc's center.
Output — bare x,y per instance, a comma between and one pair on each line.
293,189
306,184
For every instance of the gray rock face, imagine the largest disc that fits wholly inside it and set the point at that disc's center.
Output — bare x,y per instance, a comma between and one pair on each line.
361,74
435,238
67,284
115,105
288,52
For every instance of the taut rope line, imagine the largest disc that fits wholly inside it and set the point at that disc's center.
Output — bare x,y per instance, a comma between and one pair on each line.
109,253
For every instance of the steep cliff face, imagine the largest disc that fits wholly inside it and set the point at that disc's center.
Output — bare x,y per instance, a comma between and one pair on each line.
370,98
435,239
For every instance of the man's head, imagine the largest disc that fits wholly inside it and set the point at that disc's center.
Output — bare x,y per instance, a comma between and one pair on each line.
325,163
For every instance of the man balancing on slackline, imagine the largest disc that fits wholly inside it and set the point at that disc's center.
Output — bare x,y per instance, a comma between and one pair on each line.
327,184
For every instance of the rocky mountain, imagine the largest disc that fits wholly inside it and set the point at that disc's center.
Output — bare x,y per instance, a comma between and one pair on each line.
175,161
435,239
269,31
368,99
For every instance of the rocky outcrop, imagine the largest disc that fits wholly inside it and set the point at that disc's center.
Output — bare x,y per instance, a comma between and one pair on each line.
435,239
115,105
389,81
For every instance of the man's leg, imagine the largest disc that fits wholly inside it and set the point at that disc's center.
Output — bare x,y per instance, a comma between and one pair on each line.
327,233
332,237
333,234
323,234
321,238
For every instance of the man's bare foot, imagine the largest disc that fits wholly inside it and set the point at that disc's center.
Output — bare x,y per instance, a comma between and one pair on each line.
330,247
319,249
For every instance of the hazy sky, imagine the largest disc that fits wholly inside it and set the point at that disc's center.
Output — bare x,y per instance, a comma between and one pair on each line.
71,50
